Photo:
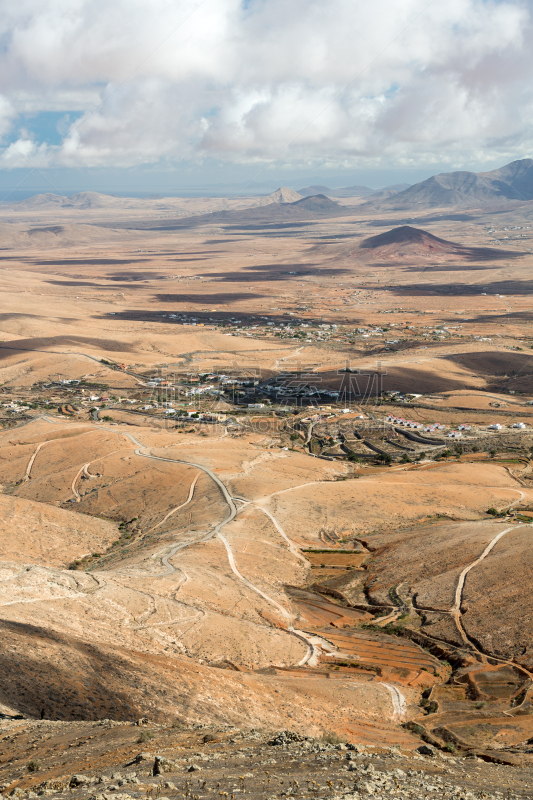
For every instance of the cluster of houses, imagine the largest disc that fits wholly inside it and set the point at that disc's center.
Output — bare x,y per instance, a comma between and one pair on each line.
399,397
437,427
197,386
189,413
434,427
291,386
497,427
15,407
365,333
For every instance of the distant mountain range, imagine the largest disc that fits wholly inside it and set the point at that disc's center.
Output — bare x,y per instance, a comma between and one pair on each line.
500,187
512,183
81,200
353,191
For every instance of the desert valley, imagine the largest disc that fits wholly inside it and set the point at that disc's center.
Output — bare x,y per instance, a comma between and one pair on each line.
267,492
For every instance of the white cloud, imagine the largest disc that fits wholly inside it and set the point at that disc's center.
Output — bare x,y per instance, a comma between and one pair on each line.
23,153
305,82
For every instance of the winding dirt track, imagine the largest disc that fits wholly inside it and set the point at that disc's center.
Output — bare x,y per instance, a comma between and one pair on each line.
78,475
283,611
218,532
74,353
31,461
173,511
309,640
399,702
292,547
455,610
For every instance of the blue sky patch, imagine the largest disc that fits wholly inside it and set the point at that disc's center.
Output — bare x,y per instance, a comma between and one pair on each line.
46,126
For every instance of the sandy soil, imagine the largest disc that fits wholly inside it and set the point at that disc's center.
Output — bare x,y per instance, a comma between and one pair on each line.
183,568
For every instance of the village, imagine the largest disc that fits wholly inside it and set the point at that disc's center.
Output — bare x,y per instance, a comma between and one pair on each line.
332,329
338,424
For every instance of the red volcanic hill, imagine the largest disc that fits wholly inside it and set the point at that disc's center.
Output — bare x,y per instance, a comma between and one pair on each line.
408,242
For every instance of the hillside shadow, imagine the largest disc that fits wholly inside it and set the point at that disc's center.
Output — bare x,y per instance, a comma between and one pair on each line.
98,262
207,299
490,288
274,272
386,223
76,283
518,316
45,672
46,345
402,379
204,317
266,226
449,268
495,363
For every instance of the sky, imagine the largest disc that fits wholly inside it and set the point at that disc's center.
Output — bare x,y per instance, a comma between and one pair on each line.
157,96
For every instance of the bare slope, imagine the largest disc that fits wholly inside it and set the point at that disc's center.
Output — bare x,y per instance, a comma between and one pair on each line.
81,200
281,195
313,207
406,242
514,182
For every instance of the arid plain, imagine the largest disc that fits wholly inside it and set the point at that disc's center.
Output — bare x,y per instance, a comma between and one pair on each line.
267,465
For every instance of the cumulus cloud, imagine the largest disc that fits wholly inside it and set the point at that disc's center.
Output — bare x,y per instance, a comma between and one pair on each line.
304,83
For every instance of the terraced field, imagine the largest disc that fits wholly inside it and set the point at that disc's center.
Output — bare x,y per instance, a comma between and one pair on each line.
386,656
392,657
317,613
487,705
342,560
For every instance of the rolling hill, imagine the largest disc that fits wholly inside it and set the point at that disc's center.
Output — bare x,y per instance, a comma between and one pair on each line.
312,207
512,183
81,200
408,242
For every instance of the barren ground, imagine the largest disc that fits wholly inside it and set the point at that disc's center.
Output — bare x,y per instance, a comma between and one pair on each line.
222,573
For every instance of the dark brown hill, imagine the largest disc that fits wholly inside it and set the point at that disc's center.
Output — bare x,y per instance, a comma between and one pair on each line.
407,234
317,203
408,242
